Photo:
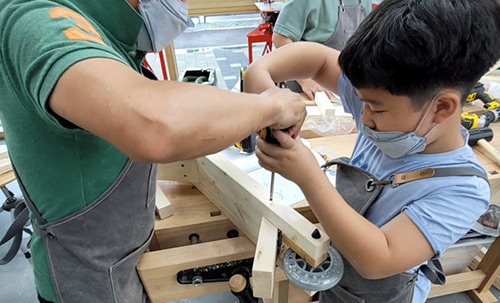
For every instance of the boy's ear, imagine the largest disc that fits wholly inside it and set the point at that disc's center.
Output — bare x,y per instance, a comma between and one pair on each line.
446,106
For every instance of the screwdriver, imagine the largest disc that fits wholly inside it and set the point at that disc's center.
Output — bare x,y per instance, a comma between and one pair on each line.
268,137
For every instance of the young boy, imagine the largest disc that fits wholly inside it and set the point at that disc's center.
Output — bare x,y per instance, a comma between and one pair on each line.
404,76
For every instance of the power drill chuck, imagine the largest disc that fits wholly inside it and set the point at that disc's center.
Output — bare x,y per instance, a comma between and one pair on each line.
473,121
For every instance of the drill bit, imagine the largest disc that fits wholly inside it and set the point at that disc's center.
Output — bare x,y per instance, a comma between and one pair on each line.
266,134
272,187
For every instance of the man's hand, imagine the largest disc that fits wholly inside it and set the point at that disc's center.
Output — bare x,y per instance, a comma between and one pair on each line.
293,110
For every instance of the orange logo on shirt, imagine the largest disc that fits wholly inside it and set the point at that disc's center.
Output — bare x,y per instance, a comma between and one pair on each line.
85,31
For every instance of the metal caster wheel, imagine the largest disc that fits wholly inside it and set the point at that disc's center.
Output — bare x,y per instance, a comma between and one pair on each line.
322,277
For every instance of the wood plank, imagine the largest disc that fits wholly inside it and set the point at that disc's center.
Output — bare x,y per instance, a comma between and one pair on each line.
458,283
490,265
7,177
192,213
185,171
5,165
324,104
172,69
244,201
264,263
163,206
158,269
477,259
482,297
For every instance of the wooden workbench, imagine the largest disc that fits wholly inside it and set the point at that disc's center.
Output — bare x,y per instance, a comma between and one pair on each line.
193,213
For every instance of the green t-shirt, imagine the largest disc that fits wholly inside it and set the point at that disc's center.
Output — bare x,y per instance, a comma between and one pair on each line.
311,20
64,168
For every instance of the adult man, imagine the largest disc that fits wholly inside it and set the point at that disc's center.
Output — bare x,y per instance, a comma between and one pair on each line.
83,126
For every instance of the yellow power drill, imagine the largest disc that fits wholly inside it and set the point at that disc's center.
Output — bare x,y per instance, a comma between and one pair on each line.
479,93
473,121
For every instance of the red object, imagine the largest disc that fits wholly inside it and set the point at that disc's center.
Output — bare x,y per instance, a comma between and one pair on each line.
163,64
256,36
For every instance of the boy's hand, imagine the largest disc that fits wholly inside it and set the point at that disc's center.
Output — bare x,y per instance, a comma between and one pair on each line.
310,88
291,159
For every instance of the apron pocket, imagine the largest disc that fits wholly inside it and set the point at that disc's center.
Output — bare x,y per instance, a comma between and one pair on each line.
125,282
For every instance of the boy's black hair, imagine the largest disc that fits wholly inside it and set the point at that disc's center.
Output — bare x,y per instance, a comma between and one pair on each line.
414,48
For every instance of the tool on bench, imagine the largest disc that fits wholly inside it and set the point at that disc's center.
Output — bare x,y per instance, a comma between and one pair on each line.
473,121
479,93
481,137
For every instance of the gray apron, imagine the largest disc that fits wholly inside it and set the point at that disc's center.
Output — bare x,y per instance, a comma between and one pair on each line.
360,190
93,253
350,16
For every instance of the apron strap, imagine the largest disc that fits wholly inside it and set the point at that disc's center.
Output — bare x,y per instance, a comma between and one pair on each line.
434,271
34,211
15,231
402,178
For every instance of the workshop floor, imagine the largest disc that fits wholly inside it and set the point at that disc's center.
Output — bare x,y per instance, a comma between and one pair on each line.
218,43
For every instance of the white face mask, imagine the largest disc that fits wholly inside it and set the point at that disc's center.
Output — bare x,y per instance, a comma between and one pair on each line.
397,144
164,20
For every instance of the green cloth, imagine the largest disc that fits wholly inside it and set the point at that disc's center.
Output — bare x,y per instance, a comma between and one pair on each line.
63,167
311,20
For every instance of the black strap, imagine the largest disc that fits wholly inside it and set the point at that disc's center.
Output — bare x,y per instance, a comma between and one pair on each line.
436,172
21,216
434,272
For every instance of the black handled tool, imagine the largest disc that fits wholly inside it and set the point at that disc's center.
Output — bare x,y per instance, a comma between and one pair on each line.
268,137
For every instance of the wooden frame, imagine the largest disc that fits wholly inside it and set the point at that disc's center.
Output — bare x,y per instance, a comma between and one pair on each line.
245,203
214,186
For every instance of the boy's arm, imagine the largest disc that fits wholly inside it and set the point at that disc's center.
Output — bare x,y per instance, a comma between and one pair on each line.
298,60
374,252
164,121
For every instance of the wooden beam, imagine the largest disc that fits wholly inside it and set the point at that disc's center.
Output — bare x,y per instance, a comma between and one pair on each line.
264,261
158,269
193,213
458,283
490,266
324,104
477,259
244,201
482,297
163,205
178,171
171,61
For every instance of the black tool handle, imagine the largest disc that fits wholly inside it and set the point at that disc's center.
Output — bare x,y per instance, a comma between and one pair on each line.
478,134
